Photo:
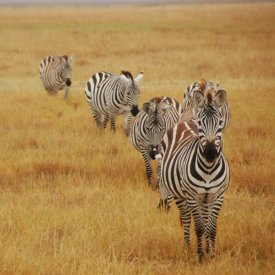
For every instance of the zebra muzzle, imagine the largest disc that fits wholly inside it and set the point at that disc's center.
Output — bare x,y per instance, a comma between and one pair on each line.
134,110
210,152
68,82
154,152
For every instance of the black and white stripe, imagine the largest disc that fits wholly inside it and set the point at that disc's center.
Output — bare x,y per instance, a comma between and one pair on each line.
110,95
195,170
56,73
205,87
158,115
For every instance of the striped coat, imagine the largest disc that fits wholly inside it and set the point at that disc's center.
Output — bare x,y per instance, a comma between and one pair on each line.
56,73
194,169
110,95
158,115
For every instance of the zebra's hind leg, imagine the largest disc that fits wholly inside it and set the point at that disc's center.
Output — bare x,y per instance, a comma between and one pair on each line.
113,122
104,121
97,117
165,203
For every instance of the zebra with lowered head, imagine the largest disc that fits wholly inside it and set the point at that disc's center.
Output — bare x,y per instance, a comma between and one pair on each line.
110,95
194,169
56,73
158,115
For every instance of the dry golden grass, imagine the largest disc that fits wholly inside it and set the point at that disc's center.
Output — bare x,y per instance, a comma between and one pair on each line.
74,200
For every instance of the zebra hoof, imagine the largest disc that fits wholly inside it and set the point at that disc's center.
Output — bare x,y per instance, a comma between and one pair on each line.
200,258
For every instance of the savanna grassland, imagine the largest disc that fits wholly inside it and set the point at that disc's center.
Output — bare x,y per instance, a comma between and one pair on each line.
74,200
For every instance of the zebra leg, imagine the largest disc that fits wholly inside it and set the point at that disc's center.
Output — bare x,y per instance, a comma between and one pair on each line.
97,117
211,228
66,90
127,123
148,167
163,193
199,227
185,217
104,121
113,122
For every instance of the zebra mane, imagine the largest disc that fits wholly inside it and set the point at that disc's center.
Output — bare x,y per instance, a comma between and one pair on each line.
209,97
202,84
127,74
65,57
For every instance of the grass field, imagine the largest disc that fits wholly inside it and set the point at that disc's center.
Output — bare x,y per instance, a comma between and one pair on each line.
74,200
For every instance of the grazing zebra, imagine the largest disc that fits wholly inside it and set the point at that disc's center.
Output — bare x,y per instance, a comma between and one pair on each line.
158,115
109,95
56,73
203,86
195,170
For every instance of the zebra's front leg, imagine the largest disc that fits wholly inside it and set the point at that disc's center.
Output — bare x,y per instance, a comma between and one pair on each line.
185,217
97,117
148,167
211,228
165,196
66,90
127,123
199,228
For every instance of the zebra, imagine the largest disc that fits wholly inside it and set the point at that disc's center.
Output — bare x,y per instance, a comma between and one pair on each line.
205,86
195,170
56,73
157,116
189,113
109,95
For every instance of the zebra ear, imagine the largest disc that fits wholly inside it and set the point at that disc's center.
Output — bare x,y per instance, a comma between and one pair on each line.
138,78
125,78
166,108
198,98
149,107
70,61
220,98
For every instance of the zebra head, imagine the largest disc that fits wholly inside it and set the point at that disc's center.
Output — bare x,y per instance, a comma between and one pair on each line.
205,87
132,90
155,126
66,69
210,121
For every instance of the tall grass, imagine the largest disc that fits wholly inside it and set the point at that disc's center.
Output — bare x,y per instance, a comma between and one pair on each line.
74,200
